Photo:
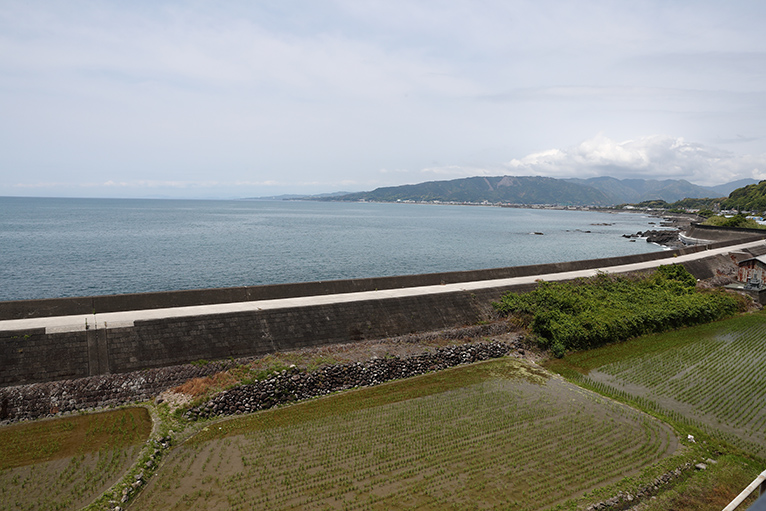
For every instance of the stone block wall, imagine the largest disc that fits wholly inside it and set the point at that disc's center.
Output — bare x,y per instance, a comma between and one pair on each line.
159,343
33,356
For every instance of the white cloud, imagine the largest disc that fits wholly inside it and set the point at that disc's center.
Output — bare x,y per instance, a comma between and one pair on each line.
366,93
453,171
649,157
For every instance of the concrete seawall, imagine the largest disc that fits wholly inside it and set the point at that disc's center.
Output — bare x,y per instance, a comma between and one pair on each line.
22,309
42,354
45,340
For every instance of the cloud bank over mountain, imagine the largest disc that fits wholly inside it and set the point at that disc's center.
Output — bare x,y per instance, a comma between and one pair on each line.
649,157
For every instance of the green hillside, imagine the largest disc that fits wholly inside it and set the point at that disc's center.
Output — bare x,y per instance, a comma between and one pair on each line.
639,190
748,198
601,191
516,190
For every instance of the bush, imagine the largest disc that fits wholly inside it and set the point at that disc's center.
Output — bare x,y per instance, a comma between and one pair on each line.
587,313
735,221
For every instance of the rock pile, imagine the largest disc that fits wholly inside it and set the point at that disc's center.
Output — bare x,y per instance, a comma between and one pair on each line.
294,385
626,499
140,479
36,400
666,238
26,402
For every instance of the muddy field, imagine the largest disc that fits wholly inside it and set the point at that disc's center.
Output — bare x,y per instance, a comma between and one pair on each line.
64,464
494,434
712,374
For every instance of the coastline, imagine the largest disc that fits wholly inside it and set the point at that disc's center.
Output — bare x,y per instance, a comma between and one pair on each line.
68,248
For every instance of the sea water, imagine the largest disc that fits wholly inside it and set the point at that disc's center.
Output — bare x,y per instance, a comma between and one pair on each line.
78,247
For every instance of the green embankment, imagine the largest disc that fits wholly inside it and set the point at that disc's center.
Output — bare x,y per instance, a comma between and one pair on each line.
736,221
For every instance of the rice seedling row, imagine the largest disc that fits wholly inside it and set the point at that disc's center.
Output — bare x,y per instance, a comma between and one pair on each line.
711,375
499,442
64,463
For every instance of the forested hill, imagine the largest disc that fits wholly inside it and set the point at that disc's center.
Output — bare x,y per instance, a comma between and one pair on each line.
516,190
748,198
638,190
602,191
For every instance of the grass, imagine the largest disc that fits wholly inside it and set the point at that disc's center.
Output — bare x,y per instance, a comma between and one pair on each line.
346,402
40,441
709,375
706,380
65,463
496,435
499,434
711,489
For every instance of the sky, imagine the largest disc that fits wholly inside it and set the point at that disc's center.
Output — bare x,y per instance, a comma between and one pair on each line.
198,99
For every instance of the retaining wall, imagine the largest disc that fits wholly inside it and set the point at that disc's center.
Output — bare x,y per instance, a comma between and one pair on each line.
715,233
29,356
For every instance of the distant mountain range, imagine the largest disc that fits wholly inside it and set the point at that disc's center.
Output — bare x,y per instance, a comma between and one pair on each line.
293,196
598,191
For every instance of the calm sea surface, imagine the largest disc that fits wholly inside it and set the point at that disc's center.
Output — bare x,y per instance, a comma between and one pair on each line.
78,247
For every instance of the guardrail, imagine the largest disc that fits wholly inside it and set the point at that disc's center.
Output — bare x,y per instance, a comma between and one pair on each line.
759,482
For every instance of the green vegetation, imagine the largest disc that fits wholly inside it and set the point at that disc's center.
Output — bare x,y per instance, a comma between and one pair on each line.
25,444
735,221
706,380
499,433
706,204
587,313
747,198
654,204
65,463
712,375
711,489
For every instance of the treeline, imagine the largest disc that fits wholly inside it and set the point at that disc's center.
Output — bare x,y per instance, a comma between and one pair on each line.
747,198
587,313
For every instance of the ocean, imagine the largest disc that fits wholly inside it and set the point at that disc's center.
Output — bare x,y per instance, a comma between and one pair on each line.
51,247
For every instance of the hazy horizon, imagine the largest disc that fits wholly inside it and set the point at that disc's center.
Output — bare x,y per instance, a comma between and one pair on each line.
263,197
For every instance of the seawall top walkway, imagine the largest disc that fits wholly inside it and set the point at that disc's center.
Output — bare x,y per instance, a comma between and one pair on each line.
122,319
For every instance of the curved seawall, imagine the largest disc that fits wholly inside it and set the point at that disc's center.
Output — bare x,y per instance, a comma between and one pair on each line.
44,340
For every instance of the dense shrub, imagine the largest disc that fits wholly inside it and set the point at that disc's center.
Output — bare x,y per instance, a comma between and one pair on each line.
586,313
735,221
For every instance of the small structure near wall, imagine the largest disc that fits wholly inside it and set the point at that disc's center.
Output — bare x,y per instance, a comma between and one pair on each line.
751,277
752,272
